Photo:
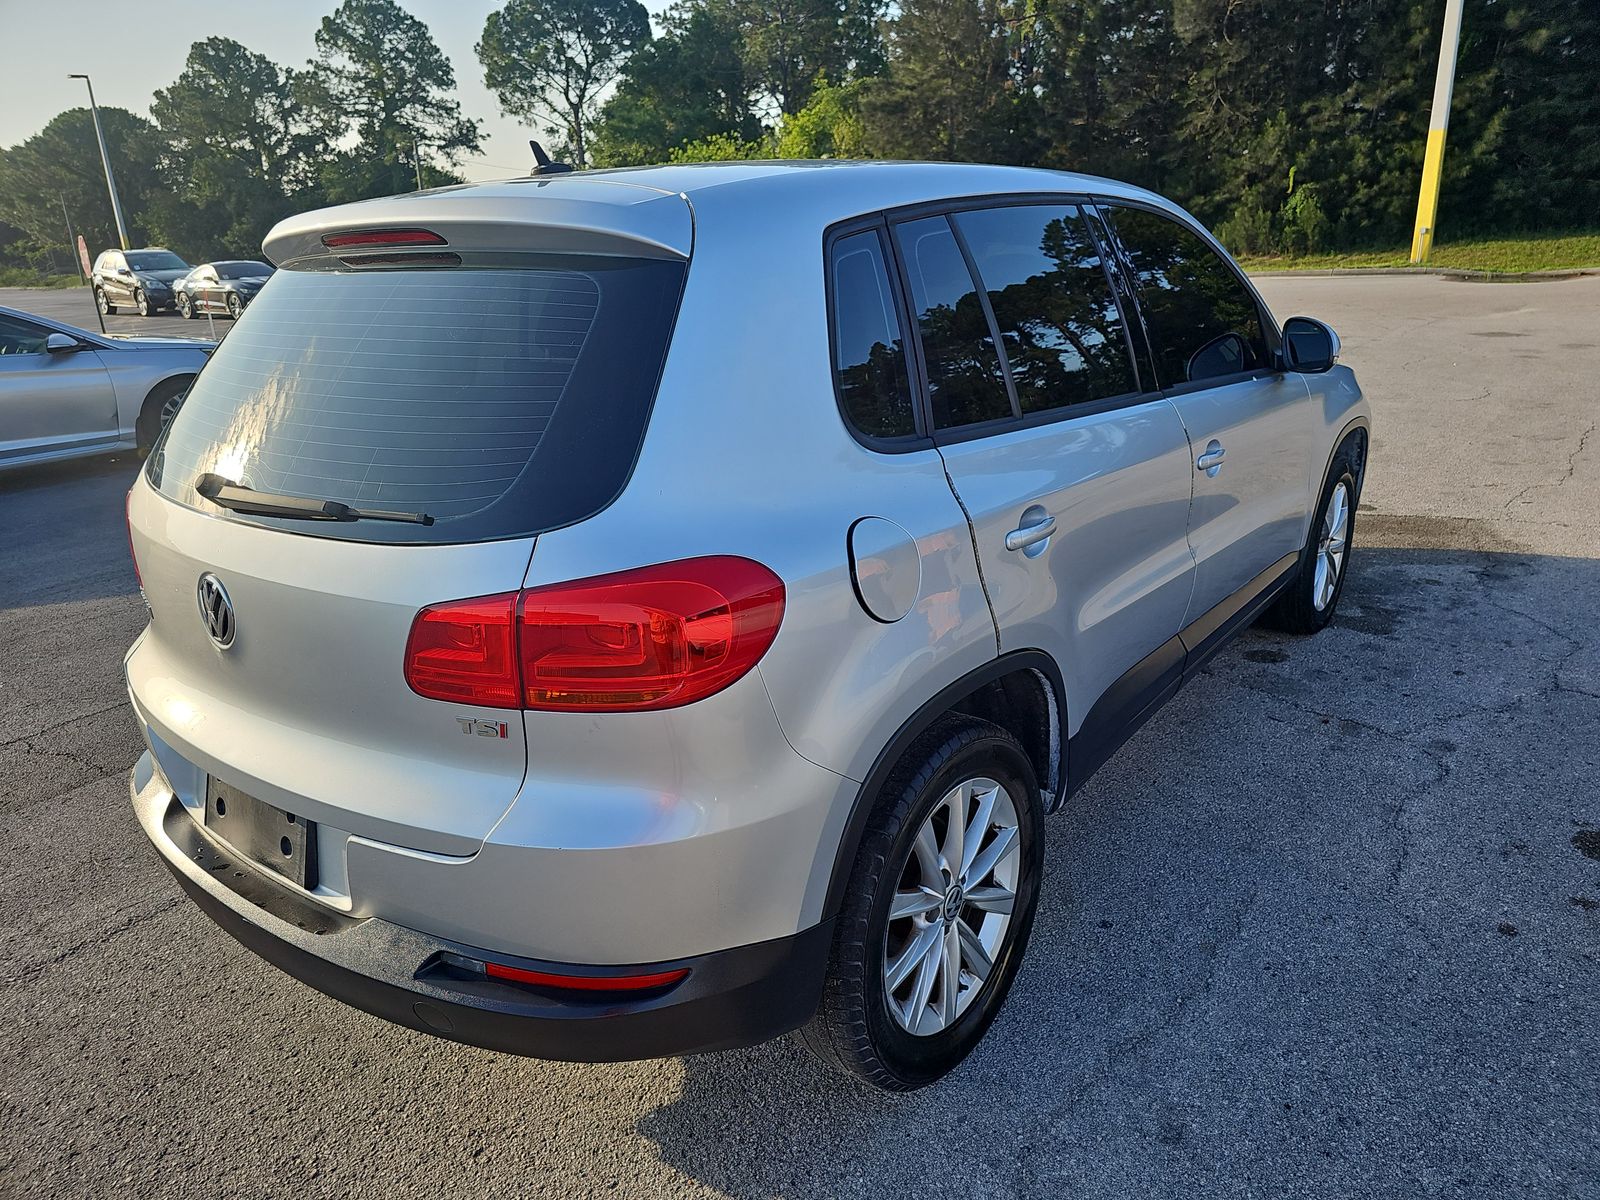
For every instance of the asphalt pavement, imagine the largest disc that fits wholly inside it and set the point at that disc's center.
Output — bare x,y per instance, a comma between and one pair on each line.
75,306
1328,926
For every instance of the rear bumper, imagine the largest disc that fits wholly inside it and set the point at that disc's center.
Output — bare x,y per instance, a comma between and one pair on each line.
731,998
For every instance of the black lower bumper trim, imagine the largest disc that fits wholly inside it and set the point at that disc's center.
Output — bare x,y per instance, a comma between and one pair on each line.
731,998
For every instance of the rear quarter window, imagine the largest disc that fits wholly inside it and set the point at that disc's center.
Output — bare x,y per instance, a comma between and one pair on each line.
500,402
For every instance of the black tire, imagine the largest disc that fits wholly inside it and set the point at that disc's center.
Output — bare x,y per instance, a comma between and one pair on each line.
107,308
154,414
185,306
1302,607
235,305
142,303
853,1028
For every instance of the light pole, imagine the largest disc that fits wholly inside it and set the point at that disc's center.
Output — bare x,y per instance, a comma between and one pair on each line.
1438,122
105,159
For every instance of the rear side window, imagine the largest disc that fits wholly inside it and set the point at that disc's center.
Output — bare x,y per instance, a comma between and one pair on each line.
965,381
1058,320
1202,320
869,354
500,402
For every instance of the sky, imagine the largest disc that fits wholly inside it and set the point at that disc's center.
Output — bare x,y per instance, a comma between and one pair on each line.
133,48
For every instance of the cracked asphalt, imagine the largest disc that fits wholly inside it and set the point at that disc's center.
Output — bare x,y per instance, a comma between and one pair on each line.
1328,926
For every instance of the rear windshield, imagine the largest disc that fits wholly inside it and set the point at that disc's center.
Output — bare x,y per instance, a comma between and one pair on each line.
500,402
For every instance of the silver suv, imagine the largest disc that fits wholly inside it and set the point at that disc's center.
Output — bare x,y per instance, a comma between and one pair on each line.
633,613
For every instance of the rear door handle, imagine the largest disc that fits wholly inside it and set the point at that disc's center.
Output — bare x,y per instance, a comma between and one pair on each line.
1030,534
1211,461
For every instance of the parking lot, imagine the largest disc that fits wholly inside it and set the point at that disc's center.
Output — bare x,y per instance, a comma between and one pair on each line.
1328,926
75,306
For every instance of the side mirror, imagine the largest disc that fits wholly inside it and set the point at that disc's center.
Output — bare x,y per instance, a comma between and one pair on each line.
1225,354
61,343
1309,346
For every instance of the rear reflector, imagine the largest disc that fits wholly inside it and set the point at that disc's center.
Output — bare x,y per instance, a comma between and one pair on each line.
587,983
652,638
382,237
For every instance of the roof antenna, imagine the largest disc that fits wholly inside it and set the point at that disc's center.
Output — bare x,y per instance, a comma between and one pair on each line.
542,165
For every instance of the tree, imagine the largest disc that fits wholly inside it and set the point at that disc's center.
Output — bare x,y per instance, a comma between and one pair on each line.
62,162
788,44
379,73
688,85
239,155
829,126
949,92
551,60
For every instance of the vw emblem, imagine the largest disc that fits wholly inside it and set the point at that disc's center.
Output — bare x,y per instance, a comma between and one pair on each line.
216,610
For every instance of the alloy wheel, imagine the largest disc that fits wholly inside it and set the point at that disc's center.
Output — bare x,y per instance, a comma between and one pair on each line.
952,907
1331,548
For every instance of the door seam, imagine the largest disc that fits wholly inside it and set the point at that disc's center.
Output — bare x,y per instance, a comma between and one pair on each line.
972,535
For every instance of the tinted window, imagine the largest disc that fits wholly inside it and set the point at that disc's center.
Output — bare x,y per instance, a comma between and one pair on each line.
156,260
242,270
965,380
1202,320
500,402
1060,325
869,358
21,337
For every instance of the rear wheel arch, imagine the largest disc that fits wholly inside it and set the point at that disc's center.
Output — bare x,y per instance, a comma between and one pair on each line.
1021,691
149,423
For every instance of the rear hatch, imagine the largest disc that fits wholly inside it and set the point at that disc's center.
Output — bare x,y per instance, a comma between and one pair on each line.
490,385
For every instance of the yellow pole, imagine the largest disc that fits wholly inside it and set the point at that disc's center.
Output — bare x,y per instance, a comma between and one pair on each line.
1438,122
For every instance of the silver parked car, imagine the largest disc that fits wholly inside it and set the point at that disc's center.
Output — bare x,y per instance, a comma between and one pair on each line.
632,613
66,392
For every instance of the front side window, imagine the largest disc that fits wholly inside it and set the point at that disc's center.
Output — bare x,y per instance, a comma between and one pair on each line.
966,383
869,354
21,337
1202,320
1057,317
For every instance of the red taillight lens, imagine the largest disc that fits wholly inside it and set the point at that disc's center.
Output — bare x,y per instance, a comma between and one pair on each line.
652,638
587,983
657,637
382,237
127,517
466,651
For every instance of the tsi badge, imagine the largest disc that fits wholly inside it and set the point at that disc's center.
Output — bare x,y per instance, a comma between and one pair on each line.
471,725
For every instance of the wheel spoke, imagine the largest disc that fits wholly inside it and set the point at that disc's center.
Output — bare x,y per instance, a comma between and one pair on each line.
955,829
973,952
992,899
949,976
976,829
927,972
913,904
984,863
913,954
927,852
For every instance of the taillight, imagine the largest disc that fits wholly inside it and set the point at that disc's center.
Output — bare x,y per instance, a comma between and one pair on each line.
127,517
466,651
652,638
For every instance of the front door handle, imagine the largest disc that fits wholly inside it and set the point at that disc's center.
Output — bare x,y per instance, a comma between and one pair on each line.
1037,525
1211,461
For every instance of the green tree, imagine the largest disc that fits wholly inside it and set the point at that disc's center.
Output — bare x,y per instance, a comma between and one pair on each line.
551,60
239,153
950,91
380,75
788,44
829,126
62,162
685,86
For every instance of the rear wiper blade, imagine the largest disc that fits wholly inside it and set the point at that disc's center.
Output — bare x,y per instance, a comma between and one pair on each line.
270,504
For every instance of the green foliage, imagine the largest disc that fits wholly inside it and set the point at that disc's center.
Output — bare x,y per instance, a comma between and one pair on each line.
380,75
720,147
684,86
788,44
829,126
550,60
1550,252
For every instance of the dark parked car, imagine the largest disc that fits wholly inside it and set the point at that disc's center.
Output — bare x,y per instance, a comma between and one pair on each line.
140,279
220,287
